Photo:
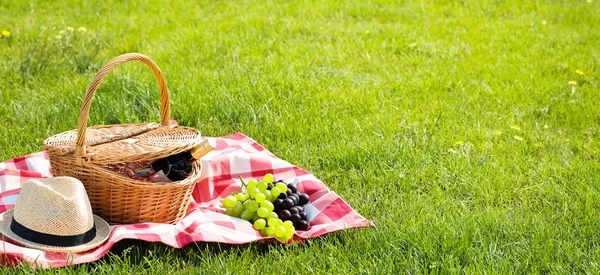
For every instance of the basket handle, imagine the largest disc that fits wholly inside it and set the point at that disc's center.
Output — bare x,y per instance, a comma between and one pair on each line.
165,107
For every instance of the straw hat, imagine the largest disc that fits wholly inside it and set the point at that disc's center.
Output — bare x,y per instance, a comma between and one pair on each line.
54,214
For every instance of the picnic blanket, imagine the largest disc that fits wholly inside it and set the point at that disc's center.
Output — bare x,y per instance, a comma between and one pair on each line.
235,156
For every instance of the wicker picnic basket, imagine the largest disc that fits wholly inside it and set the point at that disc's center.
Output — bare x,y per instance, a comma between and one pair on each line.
87,154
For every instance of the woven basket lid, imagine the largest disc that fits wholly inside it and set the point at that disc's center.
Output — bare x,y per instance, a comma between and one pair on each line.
125,142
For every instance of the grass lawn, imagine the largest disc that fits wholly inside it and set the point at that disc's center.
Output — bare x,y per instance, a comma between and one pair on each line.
451,125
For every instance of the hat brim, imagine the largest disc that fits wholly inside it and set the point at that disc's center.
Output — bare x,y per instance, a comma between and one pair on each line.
102,233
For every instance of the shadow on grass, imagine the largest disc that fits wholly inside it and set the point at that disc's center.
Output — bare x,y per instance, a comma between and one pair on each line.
134,256
138,254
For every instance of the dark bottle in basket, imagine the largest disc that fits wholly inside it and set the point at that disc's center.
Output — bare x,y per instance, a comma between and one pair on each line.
176,167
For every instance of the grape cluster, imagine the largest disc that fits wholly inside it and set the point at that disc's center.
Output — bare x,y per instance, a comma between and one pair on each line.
267,203
290,205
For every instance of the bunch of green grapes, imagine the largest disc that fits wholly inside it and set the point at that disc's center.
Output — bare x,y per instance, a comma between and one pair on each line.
256,206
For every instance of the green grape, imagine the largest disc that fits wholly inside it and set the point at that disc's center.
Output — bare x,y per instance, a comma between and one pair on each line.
271,231
260,197
260,224
241,196
247,215
230,212
289,232
288,224
262,212
283,239
279,231
272,215
275,191
253,192
264,231
268,196
252,206
251,184
271,221
262,186
229,201
269,178
255,217
238,209
277,222
237,214
282,187
268,205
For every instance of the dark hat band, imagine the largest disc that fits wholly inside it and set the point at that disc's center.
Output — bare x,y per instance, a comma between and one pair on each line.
49,239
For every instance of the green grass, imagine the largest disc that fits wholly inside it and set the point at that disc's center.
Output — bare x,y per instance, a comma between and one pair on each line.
412,112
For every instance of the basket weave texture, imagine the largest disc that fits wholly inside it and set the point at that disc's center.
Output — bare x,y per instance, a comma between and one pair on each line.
86,152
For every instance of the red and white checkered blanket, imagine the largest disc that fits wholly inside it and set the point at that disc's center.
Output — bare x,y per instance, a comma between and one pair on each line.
236,155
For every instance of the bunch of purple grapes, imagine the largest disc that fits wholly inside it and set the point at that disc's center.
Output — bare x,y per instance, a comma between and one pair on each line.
290,206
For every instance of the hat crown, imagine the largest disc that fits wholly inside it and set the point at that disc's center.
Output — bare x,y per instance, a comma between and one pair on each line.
57,206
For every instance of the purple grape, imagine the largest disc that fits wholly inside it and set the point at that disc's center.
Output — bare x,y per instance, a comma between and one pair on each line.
287,203
300,208
294,210
302,225
303,199
285,215
282,196
292,187
296,196
295,219
289,192
277,203
294,200
302,216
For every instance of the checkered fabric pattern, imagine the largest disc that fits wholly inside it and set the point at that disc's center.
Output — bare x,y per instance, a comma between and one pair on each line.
235,156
